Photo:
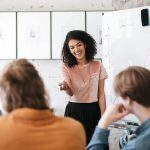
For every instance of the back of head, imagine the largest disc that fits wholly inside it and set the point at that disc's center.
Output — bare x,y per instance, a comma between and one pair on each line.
21,86
134,82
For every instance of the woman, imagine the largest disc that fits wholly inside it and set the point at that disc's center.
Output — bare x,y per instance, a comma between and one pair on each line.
83,80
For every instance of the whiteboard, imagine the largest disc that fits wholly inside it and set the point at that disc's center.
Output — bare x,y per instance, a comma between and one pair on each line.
125,43
7,35
95,29
62,23
33,35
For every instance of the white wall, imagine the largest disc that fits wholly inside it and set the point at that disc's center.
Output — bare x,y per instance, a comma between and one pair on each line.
49,69
49,5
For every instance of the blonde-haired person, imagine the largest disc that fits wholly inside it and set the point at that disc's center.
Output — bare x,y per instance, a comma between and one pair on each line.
133,86
28,123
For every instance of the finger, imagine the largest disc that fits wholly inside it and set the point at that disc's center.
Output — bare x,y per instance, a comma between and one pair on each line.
60,86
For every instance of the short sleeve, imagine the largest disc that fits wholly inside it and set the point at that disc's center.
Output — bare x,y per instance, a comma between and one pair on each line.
103,73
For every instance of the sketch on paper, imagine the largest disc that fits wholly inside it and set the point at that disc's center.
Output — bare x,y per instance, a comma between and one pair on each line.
34,35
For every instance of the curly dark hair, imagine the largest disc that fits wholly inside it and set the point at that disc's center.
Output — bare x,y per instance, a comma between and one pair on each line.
84,37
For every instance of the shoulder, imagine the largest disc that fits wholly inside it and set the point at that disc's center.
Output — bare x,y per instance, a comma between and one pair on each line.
76,128
96,63
72,127
65,66
71,122
135,143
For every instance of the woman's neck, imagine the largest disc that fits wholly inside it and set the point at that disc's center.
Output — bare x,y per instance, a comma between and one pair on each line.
82,62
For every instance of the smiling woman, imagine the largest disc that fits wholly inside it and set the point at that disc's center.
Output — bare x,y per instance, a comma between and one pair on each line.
83,80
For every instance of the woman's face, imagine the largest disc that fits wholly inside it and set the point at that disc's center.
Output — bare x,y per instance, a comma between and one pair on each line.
77,48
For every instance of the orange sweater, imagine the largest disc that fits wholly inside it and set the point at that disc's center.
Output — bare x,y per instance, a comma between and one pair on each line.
30,129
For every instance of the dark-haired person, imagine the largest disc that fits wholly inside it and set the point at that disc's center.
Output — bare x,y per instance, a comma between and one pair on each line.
83,80
133,86
28,123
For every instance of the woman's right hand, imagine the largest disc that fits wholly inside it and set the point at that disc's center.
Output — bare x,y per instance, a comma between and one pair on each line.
63,86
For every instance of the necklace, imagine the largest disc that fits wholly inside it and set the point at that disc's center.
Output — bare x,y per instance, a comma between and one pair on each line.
87,72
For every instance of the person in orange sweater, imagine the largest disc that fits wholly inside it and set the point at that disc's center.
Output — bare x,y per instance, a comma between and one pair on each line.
28,123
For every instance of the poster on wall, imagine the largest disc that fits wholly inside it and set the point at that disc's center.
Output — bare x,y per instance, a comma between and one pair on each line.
33,35
7,35
62,23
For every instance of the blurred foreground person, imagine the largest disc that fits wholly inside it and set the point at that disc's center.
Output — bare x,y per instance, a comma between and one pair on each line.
28,123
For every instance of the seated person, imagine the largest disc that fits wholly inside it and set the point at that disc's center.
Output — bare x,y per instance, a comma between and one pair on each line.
133,86
28,123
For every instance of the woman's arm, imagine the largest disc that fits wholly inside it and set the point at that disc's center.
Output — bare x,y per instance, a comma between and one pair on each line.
101,96
65,85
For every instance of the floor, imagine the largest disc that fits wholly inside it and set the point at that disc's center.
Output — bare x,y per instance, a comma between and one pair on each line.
114,137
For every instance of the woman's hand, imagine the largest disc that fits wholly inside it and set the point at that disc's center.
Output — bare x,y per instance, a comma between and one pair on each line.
63,86
112,113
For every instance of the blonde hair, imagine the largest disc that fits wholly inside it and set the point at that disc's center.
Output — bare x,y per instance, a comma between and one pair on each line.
134,82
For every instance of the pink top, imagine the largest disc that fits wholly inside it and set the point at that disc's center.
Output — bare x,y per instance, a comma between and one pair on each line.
84,79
